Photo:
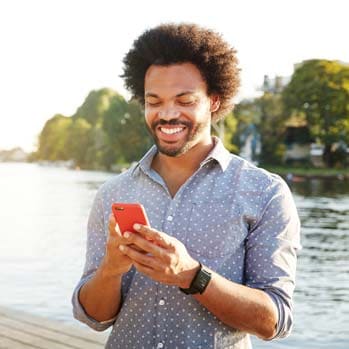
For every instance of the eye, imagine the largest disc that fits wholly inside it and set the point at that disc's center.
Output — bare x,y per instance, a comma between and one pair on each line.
186,102
152,102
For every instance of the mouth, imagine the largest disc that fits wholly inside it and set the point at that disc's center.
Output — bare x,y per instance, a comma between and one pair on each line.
171,131
171,134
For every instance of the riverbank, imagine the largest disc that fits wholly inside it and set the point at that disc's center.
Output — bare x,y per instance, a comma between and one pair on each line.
309,172
284,171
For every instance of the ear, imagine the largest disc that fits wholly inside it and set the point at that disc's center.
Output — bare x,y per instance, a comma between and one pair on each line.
215,103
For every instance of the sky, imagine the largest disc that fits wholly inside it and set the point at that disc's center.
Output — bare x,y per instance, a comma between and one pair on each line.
54,52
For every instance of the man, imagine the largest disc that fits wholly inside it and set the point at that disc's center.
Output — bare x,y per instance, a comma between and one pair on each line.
219,257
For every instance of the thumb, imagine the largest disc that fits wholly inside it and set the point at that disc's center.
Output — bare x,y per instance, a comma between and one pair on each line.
114,229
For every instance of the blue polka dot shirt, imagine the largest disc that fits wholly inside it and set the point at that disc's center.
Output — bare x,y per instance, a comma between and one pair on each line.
235,218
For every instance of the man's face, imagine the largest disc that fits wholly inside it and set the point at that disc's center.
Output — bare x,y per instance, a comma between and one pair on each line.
177,108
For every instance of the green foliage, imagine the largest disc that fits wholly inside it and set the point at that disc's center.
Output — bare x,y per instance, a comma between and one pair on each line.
272,128
125,128
53,139
230,127
95,105
266,113
78,141
105,130
319,89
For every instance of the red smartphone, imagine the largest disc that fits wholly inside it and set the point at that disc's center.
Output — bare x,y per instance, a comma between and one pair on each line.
127,214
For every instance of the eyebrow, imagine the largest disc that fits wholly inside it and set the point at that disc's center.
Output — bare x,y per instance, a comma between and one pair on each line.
150,94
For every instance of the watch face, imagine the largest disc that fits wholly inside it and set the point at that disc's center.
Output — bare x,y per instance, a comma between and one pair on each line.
202,280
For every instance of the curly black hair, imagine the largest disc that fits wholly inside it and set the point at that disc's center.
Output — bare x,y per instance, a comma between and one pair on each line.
169,44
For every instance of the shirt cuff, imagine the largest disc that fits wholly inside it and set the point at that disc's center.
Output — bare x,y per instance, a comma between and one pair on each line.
81,315
285,319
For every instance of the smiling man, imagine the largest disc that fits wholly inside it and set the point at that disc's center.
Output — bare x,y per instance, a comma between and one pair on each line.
218,261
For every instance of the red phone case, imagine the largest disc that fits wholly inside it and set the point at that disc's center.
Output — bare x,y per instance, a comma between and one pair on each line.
127,214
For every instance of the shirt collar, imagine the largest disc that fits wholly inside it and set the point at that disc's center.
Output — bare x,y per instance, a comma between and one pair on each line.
145,162
218,153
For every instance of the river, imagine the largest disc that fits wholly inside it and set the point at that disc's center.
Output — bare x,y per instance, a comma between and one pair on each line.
43,217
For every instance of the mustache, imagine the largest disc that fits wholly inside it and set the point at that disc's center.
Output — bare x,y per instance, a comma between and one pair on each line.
171,122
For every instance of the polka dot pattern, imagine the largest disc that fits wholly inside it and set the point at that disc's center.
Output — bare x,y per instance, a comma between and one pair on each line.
238,220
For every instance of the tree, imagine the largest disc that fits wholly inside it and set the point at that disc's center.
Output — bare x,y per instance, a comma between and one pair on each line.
95,105
53,139
266,114
271,127
79,141
319,89
125,128
226,129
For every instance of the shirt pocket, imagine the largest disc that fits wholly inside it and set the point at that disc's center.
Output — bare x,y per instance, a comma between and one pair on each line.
214,228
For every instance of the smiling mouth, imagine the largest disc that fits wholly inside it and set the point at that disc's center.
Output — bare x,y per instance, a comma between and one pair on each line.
171,131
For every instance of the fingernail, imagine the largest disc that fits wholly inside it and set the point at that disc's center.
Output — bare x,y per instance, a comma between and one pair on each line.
127,235
136,226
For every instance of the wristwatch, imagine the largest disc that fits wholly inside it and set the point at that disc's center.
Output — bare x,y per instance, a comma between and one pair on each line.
199,283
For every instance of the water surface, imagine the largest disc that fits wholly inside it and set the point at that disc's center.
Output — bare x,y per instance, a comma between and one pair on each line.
43,217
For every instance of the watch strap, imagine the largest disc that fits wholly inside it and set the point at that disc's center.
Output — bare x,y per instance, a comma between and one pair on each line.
199,283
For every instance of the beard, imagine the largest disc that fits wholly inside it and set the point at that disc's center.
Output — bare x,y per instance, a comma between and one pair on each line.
194,131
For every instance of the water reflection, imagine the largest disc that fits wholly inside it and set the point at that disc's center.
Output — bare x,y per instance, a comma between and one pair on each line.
323,273
322,292
321,187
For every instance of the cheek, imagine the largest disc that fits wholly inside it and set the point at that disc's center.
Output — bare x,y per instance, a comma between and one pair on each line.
148,115
202,111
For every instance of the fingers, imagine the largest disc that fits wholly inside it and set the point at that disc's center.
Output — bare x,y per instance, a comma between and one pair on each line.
146,260
160,238
115,232
145,245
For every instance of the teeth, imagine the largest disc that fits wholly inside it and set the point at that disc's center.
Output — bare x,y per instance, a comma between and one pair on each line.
171,131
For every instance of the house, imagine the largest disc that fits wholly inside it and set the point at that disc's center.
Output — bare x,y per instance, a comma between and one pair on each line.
297,140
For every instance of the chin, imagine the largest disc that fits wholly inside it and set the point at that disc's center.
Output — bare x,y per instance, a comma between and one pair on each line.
175,151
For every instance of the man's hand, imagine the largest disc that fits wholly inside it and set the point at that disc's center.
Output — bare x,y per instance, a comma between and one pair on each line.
115,262
166,259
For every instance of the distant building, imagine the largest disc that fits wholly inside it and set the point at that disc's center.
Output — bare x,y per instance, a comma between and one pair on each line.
274,85
250,141
297,140
13,155
316,152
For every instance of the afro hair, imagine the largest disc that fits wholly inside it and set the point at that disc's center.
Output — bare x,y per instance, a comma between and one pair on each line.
169,44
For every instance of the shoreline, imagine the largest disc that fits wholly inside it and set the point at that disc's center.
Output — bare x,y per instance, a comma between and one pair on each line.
294,173
288,173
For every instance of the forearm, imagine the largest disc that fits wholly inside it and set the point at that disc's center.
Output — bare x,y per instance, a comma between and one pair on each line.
101,295
240,307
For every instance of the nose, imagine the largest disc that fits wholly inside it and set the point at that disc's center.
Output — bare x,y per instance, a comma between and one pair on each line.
169,114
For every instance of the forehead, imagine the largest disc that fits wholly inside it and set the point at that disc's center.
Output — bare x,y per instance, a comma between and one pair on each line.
174,79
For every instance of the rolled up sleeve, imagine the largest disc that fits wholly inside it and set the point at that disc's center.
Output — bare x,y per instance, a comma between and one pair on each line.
271,251
95,250
81,315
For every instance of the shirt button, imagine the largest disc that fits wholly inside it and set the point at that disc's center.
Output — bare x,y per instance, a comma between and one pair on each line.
170,218
162,302
160,345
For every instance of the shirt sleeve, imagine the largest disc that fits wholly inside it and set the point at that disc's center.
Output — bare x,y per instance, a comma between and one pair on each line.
95,250
271,251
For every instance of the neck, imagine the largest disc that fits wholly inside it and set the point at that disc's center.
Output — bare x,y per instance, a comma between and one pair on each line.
188,162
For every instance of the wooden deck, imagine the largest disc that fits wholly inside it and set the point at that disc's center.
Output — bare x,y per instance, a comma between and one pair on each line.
19,330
